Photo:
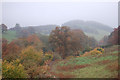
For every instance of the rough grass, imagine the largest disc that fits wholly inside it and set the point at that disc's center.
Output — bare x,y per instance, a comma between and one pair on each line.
99,66
71,67
9,35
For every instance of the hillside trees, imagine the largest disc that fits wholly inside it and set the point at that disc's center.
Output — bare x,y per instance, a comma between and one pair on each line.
45,40
60,40
92,42
4,27
68,42
78,41
31,40
31,61
113,38
104,41
25,32
9,51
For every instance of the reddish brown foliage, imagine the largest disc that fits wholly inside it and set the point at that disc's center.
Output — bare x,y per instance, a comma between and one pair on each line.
60,40
103,62
10,48
112,39
113,66
81,66
61,75
33,39
115,36
4,45
71,67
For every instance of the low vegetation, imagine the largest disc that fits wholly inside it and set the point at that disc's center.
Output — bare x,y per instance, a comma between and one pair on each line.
97,66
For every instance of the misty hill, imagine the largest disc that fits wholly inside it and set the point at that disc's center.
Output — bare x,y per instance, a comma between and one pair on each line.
44,29
91,28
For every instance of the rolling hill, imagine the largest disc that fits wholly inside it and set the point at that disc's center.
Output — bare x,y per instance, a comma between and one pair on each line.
9,35
44,29
91,28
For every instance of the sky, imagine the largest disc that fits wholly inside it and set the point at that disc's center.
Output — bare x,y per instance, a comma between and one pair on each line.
43,13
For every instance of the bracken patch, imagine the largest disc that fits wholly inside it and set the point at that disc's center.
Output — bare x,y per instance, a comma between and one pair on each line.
61,75
113,66
71,67
103,62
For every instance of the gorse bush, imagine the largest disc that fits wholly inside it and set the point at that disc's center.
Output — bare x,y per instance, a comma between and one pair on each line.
95,51
100,49
13,69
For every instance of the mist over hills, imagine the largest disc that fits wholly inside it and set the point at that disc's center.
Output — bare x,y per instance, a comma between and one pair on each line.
44,29
87,26
90,28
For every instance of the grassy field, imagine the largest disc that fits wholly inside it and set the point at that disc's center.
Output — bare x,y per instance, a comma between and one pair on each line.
9,35
99,66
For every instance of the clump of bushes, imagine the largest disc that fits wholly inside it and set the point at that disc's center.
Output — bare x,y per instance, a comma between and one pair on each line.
100,49
95,51
31,63
13,69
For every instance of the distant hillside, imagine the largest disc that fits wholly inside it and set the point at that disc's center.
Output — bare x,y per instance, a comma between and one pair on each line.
44,29
91,28
9,35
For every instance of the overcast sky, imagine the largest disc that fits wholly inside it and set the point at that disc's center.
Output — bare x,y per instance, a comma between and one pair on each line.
41,13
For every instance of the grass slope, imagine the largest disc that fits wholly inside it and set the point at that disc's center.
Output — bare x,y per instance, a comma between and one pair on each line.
102,66
9,35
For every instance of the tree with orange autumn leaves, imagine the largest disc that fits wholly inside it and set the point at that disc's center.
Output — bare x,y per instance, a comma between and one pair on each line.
9,51
78,41
68,42
60,40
